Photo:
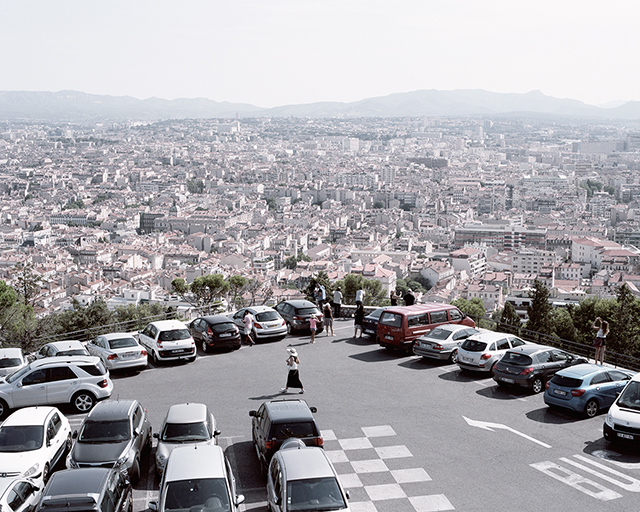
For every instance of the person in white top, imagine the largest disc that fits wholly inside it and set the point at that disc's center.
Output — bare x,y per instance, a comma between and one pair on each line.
293,377
359,296
602,326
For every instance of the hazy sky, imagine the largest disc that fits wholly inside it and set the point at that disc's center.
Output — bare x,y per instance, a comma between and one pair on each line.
276,52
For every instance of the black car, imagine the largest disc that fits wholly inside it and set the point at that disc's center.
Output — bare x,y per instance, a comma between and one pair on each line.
296,314
278,420
370,322
87,490
532,365
215,331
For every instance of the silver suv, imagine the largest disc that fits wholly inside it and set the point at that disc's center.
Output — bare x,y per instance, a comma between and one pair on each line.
78,380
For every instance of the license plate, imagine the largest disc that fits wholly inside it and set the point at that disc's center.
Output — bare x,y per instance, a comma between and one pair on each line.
177,351
368,331
128,355
466,359
560,392
625,436
508,381
226,334
272,325
387,337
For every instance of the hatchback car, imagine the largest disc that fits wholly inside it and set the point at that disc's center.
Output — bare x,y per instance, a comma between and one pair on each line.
268,325
197,478
296,314
442,342
87,490
78,380
215,331
62,348
168,340
114,434
586,388
20,494
184,424
119,351
11,360
32,441
302,477
532,365
370,322
622,423
482,351
278,420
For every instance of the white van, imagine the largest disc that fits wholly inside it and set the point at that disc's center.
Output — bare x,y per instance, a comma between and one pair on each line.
623,419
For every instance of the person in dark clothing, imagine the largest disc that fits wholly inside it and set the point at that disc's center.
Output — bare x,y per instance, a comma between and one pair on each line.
393,298
409,298
358,320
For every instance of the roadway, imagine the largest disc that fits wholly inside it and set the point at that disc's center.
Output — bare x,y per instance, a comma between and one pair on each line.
405,434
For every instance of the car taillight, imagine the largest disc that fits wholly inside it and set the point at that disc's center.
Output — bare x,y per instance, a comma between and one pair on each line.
258,325
546,386
143,352
209,331
159,344
320,317
112,357
269,445
527,371
437,347
577,392
103,383
296,317
319,441
484,357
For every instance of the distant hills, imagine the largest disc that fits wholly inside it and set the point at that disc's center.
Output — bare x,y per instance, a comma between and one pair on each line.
76,106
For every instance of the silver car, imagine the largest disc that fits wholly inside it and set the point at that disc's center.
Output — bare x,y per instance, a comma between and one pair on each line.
443,341
118,351
11,360
482,351
184,424
268,325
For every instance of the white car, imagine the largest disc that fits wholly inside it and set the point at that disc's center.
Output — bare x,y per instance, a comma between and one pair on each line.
168,340
32,441
268,325
19,495
62,348
118,351
184,424
11,360
480,352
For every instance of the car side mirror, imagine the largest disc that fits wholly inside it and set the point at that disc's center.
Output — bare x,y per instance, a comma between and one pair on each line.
239,499
75,434
216,433
153,506
156,435
253,413
313,409
346,493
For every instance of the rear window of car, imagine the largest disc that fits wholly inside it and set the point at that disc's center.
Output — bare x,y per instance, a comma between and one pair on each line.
9,362
94,369
223,327
566,382
307,311
122,343
176,334
517,359
267,316
439,334
376,313
73,352
473,345
293,429
391,319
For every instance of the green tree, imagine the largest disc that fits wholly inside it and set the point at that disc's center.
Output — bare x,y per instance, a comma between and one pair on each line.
401,286
562,324
204,292
509,320
539,311
473,307
195,186
28,284
236,288
624,329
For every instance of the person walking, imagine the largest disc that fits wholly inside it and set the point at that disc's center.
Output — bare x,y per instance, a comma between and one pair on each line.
313,326
337,302
602,326
358,320
293,377
248,320
328,320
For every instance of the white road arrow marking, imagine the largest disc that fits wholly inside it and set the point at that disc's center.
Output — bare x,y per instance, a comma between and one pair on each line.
491,426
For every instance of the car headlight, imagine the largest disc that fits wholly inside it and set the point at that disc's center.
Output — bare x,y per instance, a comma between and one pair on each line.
121,461
609,420
161,460
71,464
32,470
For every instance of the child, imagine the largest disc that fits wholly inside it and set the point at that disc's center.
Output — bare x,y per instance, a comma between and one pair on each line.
328,319
313,324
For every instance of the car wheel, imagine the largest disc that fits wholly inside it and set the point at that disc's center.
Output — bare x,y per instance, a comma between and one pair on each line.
537,385
154,358
289,328
4,408
83,401
591,408
204,346
453,358
45,473
134,472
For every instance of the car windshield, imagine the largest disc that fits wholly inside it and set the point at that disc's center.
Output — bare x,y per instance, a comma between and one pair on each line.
19,374
438,334
9,362
21,438
267,316
630,397
122,342
223,327
203,493
473,345
517,359
176,334
293,429
185,432
314,494
105,432
566,382
390,319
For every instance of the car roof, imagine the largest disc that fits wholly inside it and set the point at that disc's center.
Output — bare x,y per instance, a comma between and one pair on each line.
308,462
580,371
186,413
530,348
116,335
61,345
80,481
46,361
261,309
489,336
299,303
287,410
195,461
452,327
29,416
165,325
10,352
420,308
111,410
216,319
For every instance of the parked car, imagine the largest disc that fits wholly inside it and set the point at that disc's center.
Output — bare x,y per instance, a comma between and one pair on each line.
184,424
302,477
119,351
62,348
20,494
87,490
586,388
11,360
370,322
268,326
197,478
622,423
32,441
442,342
276,421
532,365
78,380
215,331
296,314
114,434
482,351
168,340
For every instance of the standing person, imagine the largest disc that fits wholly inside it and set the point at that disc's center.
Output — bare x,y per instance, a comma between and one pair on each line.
602,326
313,325
409,298
328,319
393,298
293,377
359,297
337,302
358,320
323,296
248,320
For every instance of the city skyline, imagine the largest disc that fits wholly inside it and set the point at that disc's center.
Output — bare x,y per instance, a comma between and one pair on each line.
284,52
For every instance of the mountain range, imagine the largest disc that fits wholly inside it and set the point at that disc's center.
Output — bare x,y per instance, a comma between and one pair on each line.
73,106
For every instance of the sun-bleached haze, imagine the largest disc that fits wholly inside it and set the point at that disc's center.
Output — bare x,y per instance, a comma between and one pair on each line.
279,52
